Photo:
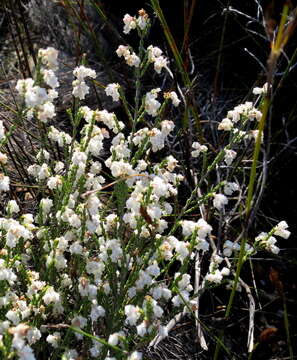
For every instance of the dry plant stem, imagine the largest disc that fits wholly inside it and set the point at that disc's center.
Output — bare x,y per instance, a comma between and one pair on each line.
217,74
106,20
14,19
241,256
29,40
87,27
180,65
276,48
11,32
95,338
188,16
252,310
196,289
287,327
157,339
177,318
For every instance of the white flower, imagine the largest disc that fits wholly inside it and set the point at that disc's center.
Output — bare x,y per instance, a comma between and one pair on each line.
153,270
12,207
52,94
113,339
133,60
281,230
181,298
81,72
3,158
184,283
153,53
44,172
151,104
80,89
51,296
136,355
268,242
2,130
226,125
76,248
123,50
254,114
4,182
198,149
120,168
35,96
220,201
95,168
260,91
113,91
49,57
188,227
95,350
24,85
71,354
160,63
202,244
79,157
74,221
132,314
33,335
173,96
270,245
54,182
257,91
230,155
230,187
225,271
229,247
109,119
43,155
141,329
50,78
160,188
166,127
26,353
96,311
182,250
215,277
46,112
157,139
143,19
59,136
54,339
130,23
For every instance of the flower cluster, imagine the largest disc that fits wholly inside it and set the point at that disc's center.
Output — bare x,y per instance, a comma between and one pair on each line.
38,99
80,88
130,57
89,270
241,113
268,241
131,22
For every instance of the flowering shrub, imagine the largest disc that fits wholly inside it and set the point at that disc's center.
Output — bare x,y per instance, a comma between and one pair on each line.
112,244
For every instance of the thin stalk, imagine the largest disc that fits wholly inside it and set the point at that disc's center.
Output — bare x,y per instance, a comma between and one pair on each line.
180,65
29,40
19,34
287,327
276,48
217,74
86,26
